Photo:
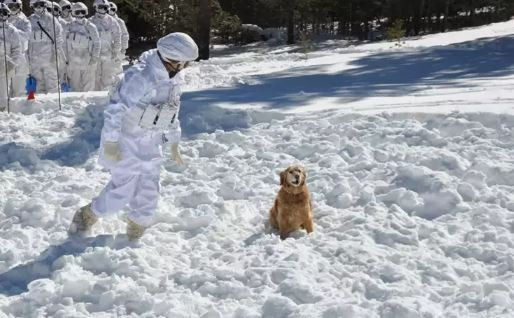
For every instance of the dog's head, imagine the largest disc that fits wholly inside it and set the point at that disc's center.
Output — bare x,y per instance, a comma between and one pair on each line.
293,176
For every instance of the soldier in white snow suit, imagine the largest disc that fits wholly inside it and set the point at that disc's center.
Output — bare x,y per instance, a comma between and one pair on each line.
56,12
42,51
124,35
82,49
11,56
67,17
22,24
110,45
66,13
141,117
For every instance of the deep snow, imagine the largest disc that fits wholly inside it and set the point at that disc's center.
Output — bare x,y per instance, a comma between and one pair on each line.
410,160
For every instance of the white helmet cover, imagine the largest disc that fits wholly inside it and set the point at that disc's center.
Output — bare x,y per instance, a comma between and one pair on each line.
32,2
3,7
100,2
178,46
63,3
55,6
79,6
12,2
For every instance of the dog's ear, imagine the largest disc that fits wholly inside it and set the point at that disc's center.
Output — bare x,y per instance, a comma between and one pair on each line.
283,177
304,176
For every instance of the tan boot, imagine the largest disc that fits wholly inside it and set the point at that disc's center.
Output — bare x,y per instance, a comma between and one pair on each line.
134,230
83,221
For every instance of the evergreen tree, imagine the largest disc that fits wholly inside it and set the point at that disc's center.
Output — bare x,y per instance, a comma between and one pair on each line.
148,20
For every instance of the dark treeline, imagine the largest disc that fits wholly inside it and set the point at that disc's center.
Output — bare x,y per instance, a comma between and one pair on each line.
221,20
365,19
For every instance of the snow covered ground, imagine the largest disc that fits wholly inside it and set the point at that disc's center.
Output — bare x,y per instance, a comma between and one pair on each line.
410,160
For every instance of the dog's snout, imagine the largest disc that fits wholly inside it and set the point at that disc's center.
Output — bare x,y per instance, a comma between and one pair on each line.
296,178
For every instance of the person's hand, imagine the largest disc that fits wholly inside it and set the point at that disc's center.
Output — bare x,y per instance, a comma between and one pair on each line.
175,154
112,151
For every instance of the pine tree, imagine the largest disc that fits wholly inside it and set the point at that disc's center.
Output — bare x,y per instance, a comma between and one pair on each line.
396,32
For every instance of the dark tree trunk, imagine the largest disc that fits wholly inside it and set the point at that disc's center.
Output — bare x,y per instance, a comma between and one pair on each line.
446,14
427,26
418,15
204,29
438,22
290,4
472,13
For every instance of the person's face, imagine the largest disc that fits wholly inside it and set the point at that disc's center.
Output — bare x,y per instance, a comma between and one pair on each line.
4,14
102,9
14,7
66,11
80,14
172,67
175,66
56,12
39,7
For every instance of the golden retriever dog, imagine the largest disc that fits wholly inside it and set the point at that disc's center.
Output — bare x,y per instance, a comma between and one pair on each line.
292,209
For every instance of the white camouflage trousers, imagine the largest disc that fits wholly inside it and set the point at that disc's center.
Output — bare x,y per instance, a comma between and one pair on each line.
19,79
46,78
139,192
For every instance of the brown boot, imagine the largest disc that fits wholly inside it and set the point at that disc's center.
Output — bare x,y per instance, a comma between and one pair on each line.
83,221
134,230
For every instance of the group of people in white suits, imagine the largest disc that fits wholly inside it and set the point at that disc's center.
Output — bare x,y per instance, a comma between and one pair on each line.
58,44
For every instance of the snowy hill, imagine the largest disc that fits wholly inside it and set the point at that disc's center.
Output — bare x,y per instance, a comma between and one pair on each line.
410,160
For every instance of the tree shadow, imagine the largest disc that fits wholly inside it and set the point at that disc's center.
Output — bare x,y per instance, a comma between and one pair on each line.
16,280
86,140
77,149
390,73
19,155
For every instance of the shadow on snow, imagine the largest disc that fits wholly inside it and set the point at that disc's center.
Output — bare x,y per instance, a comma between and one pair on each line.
16,280
390,73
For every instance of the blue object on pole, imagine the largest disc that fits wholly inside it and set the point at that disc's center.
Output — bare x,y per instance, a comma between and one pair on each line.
31,85
65,87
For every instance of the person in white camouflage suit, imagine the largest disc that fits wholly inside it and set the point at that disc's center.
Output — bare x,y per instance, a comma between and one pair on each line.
124,34
66,14
20,21
141,117
42,47
110,45
67,18
11,56
83,50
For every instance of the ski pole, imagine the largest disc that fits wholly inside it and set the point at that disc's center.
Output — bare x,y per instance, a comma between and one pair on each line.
5,64
56,58
30,82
